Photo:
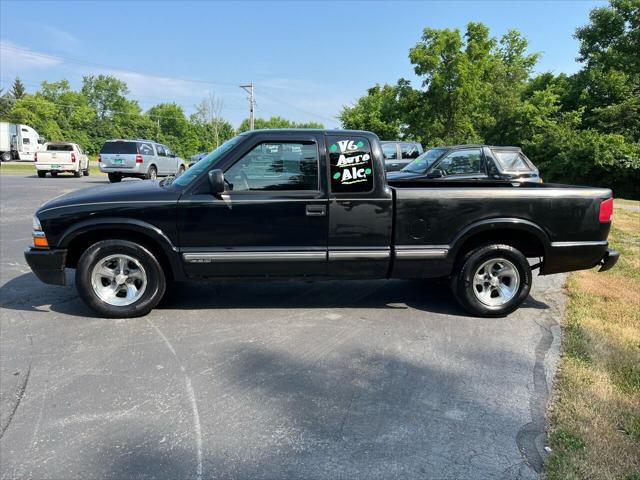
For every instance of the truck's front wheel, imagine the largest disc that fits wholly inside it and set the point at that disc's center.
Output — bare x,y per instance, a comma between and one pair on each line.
120,279
493,280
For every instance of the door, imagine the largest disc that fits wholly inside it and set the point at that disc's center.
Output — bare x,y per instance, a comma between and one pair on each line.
272,219
360,209
161,159
462,164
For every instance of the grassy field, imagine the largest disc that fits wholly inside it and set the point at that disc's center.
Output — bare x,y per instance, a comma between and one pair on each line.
29,168
595,411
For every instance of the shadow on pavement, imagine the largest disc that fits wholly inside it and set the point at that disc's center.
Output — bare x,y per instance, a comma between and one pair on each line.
27,293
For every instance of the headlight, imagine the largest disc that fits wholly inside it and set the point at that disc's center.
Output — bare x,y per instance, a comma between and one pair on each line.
35,224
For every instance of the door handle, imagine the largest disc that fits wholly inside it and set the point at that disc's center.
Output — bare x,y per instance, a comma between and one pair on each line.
316,210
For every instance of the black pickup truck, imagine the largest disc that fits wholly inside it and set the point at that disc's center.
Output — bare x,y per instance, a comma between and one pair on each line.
315,204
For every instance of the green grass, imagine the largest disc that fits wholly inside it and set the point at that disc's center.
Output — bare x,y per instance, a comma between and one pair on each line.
595,412
29,168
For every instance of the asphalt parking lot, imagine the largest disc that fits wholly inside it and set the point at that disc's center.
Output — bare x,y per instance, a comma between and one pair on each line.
325,380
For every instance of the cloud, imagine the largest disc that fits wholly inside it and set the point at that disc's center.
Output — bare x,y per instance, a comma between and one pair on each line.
15,58
61,38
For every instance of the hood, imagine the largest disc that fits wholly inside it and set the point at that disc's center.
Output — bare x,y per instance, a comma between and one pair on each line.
145,190
402,175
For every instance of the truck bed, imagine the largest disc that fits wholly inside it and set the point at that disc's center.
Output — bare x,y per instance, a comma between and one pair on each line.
437,216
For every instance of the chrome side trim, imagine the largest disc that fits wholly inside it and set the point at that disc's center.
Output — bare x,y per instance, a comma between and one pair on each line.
579,244
266,256
346,255
417,252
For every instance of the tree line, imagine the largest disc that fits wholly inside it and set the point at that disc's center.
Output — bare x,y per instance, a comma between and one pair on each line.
582,128
101,110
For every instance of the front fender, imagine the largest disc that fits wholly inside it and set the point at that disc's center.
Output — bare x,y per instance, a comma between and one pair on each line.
108,223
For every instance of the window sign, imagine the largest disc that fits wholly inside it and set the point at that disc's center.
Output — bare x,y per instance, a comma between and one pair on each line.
351,164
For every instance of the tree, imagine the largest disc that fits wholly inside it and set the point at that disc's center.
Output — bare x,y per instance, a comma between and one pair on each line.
609,84
17,89
6,103
209,112
276,122
377,111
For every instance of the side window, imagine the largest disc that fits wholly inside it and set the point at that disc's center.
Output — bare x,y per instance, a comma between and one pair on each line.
160,150
276,166
512,161
351,164
389,151
461,162
168,152
409,151
145,149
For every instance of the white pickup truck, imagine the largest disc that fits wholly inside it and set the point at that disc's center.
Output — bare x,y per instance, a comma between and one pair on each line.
58,157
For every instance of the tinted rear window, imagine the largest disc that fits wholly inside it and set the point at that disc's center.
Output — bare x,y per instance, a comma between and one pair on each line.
59,148
120,147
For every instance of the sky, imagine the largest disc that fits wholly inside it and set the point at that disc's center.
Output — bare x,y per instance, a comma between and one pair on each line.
306,59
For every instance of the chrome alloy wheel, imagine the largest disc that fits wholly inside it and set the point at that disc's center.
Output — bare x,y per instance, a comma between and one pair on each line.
119,280
496,282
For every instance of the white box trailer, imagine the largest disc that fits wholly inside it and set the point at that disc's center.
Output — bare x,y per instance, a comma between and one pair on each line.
18,142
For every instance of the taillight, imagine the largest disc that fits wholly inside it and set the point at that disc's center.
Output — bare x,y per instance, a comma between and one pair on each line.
606,210
73,157
99,158
138,158
35,157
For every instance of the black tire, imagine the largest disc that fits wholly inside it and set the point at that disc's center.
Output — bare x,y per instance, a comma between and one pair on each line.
153,293
114,177
42,174
5,157
463,285
54,174
152,173
77,174
85,172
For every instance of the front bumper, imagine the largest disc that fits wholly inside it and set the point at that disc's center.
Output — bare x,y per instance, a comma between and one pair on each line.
609,260
48,265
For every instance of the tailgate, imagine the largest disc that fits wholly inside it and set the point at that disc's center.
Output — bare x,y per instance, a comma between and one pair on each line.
54,158
118,160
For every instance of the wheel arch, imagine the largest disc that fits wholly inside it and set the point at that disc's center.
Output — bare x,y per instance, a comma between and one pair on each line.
79,237
525,235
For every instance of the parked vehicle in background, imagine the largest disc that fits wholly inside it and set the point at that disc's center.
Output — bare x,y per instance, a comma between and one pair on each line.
60,157
18,142
398,154
470,162
273,204
196,158
139,159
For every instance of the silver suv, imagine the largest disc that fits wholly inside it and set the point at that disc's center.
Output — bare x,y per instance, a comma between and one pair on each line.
138,158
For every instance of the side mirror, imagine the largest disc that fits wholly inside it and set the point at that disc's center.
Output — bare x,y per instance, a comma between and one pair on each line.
216,181
434,174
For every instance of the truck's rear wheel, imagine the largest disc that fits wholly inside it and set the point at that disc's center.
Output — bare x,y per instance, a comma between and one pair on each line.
5,156
114,177
54,174
77,174
120,279
493,280
42,174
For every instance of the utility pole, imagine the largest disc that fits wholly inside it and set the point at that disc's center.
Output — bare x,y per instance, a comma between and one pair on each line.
252,103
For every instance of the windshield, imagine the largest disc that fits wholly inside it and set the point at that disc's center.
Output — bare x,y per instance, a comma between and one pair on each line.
192,173
424,161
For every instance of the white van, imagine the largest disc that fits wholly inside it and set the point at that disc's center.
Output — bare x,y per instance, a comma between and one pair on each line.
18,142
